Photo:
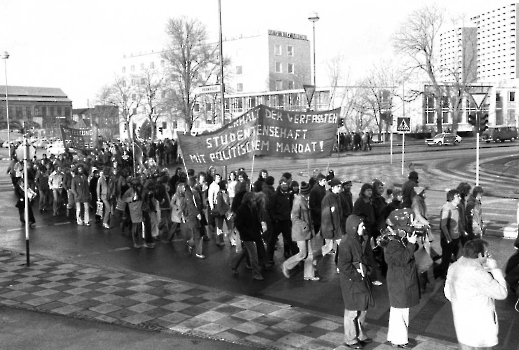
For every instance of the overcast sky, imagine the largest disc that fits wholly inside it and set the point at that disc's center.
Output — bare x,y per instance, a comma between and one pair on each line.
77,45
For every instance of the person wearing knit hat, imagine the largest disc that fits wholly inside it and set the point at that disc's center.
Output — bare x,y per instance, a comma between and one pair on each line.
305,188
330,175
302,234
334,182
356,292
288,176
269,180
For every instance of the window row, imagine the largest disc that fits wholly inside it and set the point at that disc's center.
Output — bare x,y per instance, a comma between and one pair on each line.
278,50
143,66
290,68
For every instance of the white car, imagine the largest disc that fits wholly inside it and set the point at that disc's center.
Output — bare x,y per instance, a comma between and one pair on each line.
444,139
41,143
57,149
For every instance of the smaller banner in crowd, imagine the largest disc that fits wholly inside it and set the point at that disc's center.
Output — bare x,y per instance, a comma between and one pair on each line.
77,138
264,131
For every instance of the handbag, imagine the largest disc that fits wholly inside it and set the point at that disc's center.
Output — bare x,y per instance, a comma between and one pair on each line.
99,210
423,260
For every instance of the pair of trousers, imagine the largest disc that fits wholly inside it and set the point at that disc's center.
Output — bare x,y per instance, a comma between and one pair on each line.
447,250
305,254
329,245
398,325
56,193
250,250
194,239
285,228
107,212
354,326
70,199
86,215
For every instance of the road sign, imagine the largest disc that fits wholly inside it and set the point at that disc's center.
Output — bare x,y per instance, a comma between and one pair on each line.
207,89
309,91
403,124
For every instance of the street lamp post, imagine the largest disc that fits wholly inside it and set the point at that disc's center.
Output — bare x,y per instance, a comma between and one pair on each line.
5,56
314,17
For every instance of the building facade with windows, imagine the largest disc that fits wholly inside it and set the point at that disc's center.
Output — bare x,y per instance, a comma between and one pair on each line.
497,43
458,55
42,107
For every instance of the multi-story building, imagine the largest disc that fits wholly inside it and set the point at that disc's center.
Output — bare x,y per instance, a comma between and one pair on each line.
259,64
42,107
458,55
497,47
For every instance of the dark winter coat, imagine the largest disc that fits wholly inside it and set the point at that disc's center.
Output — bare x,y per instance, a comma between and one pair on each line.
345,198
316,198
331,214
402,274
364,209
248,224
279,205
356,289
80,189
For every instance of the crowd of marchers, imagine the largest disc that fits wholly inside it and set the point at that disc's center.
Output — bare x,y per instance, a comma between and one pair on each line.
382,237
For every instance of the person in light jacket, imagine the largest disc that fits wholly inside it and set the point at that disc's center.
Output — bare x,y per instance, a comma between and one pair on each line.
473,283
302,234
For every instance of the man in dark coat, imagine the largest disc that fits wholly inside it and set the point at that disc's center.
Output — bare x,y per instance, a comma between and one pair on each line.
279,208
408,189
331,214
316,198
354,281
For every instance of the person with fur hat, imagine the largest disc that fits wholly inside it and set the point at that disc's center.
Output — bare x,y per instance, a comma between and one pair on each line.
331,214
302,234
354,281
402,285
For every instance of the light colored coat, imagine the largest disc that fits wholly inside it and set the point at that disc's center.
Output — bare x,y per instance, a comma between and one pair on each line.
471,289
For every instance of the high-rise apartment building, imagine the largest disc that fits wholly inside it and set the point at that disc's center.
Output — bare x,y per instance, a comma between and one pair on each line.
496,43
458,55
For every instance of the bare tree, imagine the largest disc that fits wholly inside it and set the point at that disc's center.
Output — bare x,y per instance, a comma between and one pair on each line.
153,91
417,38
126,95
189,56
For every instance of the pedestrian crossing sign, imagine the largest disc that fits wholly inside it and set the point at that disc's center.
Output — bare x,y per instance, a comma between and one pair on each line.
403,124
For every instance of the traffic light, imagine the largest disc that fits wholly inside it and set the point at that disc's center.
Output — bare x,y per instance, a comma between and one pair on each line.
341,122
472,119
160,129
483,123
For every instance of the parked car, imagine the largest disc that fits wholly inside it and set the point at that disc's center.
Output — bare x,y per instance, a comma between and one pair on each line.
14,143
444,139
57,148
499,134
41,143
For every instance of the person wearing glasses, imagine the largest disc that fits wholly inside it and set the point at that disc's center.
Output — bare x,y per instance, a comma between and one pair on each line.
473,283
449,231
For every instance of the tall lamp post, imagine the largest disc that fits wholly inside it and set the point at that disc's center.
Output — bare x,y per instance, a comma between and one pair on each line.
5,56
314,17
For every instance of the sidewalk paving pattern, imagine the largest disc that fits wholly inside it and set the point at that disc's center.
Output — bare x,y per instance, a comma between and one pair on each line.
149,302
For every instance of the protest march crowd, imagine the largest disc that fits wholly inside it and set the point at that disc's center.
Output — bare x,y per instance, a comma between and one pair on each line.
382,235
